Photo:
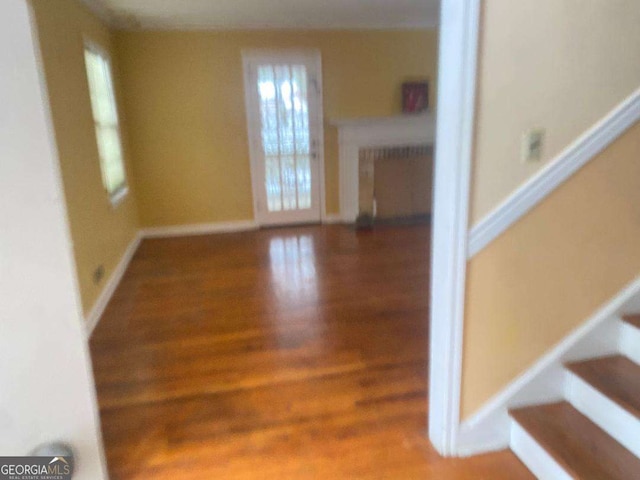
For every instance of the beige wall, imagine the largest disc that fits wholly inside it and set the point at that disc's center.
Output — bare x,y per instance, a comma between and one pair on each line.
549,272
183,96
100,232
556,64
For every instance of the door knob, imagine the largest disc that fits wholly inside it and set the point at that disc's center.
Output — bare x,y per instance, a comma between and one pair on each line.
54,449
59,452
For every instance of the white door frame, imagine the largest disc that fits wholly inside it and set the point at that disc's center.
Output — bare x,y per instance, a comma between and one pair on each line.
249,56
459,27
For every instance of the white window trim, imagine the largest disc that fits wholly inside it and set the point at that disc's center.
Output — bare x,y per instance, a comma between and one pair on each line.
118,196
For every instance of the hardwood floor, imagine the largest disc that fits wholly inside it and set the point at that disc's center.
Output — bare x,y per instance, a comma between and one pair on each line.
295,353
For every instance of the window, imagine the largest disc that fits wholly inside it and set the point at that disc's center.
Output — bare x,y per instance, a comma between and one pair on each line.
105,118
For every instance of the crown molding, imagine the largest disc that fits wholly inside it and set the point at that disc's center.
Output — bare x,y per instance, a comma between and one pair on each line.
100,10
190,26
123,22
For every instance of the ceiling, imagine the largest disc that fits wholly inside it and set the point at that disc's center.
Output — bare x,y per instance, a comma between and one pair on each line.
254,14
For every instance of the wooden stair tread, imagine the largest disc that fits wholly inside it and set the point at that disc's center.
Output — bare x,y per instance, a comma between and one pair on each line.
584,450
633,320
616,376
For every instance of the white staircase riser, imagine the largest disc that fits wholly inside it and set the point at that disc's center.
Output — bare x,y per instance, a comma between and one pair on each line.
604,412
536,458
630,342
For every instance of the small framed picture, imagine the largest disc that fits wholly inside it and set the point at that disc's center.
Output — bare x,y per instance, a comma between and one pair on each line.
415,97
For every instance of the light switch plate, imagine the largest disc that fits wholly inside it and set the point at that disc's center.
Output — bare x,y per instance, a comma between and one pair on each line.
532,145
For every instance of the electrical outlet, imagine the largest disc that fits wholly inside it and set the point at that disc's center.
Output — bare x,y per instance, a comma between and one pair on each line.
532,145
98,274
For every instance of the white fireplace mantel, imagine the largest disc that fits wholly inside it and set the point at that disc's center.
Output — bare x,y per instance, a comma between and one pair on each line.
356,134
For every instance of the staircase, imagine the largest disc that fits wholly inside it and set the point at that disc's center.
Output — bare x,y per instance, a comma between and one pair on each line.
594,434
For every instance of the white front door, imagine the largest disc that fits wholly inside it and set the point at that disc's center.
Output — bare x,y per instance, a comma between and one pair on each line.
284,116
48,392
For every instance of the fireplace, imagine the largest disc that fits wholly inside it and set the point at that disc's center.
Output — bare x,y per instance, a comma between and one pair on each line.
386,166
395,183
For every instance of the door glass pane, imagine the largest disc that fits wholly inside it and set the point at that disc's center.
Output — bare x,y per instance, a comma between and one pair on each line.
301,108
288,183
304,182
272,180
268,109
284,115
285,109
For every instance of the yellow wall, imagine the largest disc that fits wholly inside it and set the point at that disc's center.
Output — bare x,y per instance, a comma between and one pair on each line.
183,96
557,64
549,272
100,232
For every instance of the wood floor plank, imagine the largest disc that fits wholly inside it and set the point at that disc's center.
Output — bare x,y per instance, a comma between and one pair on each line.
633,320
293,353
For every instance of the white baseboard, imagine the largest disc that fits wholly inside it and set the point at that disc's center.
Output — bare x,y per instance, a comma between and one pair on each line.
107,292
216,227
556,172
182,230
332,218
160,232
488,429
199,229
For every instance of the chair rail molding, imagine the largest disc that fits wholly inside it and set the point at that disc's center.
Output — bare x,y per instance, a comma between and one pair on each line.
555,173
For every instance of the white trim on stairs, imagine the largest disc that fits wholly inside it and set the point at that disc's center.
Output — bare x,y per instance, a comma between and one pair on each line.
488,429
110,287
604,412
536,458
556,172
630,342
